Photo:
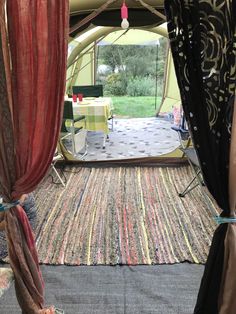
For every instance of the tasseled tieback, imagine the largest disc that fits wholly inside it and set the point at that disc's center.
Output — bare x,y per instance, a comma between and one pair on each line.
225,220
5,206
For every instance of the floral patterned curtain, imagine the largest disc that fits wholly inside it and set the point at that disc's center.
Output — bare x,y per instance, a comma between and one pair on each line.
31,103
202,38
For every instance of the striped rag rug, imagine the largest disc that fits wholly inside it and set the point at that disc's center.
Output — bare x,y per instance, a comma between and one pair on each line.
123,215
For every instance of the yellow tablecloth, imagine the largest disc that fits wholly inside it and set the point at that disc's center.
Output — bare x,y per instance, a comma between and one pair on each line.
97,111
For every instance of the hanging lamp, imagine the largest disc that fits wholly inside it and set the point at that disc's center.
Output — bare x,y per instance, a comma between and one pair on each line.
124,16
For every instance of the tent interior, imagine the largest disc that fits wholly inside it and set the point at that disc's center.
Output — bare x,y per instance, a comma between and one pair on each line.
123,218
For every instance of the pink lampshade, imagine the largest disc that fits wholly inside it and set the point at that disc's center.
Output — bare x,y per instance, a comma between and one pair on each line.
124,11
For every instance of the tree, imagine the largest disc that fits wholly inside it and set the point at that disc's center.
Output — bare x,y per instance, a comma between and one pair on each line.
133,62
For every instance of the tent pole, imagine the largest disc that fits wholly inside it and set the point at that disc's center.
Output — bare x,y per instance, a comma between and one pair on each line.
96,58
151,9
77,72
157,50
91,16
165,78
73,78
86,51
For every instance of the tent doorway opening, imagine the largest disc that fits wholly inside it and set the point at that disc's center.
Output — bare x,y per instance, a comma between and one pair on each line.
133,67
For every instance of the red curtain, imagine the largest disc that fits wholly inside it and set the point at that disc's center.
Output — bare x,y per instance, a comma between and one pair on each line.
32,97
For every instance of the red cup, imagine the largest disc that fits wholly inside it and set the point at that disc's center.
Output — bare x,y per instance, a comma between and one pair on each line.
80,97
74,96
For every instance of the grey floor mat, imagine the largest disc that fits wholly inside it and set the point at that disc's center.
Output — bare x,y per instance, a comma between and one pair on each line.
163,289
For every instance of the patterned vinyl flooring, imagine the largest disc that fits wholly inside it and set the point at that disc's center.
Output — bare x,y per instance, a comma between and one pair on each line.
132,138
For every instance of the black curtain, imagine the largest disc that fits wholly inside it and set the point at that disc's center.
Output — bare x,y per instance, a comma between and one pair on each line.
202,39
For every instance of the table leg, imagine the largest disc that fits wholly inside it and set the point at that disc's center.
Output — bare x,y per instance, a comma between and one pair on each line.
104,141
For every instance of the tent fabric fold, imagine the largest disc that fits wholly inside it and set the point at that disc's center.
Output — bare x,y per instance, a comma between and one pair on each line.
202,35
31,107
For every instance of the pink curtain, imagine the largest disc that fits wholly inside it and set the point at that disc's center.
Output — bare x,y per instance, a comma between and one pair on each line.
38,34
32,97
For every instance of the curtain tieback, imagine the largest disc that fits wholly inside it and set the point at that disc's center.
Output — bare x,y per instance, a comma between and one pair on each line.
224,220
5,206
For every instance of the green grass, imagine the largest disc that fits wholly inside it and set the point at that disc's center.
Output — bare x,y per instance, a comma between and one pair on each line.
135,107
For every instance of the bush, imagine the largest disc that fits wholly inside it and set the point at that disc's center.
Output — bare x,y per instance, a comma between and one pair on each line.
141,86
115,85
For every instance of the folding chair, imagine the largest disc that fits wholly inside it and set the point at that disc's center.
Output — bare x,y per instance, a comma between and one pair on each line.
56,158
78,135
190,153
88,90
111,121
